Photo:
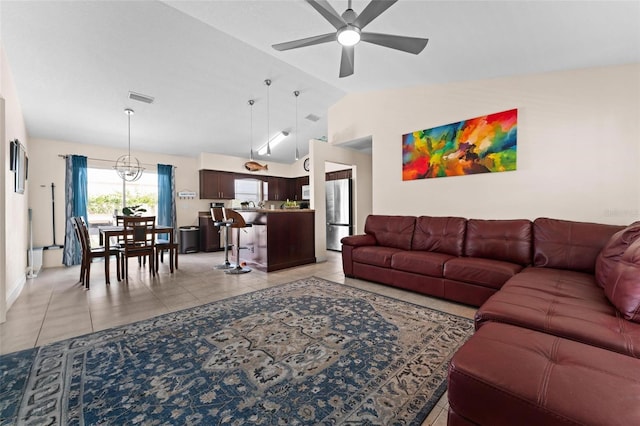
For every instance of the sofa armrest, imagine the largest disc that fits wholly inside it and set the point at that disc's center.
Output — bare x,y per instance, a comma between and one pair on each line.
359,240
348,244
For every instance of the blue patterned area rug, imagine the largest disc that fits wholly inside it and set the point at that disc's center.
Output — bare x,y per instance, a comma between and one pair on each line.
308,352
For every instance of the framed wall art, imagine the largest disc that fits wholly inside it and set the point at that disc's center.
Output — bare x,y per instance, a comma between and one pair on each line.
478,145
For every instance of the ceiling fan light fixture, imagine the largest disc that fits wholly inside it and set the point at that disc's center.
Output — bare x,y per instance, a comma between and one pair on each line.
349,35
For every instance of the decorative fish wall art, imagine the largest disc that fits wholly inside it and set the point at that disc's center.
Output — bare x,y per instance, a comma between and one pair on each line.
253,166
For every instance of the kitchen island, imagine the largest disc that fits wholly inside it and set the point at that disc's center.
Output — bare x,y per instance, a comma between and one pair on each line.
277,239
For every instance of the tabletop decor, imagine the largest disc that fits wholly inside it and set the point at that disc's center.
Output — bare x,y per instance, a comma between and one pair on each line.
478,145
308,352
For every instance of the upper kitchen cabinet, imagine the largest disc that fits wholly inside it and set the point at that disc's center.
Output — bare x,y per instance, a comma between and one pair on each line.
298,184
278,188
216,185
337,175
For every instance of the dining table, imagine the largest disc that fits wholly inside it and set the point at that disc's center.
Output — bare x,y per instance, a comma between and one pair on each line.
106,232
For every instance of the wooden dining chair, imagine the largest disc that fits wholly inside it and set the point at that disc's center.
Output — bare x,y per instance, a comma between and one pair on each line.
138,241
89,253
164,244
121,241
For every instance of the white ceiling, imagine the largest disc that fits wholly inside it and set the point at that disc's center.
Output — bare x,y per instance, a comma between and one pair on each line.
74,62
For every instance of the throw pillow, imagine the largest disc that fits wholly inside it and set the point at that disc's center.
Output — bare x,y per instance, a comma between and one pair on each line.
613,251
623,286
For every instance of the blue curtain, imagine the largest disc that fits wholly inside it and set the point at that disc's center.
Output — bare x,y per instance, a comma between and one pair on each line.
166,196
75,195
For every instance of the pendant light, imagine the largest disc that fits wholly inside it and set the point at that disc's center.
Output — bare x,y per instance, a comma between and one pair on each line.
251,102
268,83
127,167
296,94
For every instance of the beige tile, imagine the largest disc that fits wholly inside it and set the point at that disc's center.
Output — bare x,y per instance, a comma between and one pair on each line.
432,417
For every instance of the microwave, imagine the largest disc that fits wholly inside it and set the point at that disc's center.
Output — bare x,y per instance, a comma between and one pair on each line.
306,192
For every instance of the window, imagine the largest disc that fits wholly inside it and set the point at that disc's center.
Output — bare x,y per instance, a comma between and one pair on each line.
249,190
105,190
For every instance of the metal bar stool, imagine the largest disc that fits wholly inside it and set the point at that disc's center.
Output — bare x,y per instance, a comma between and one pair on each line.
219,219
237,222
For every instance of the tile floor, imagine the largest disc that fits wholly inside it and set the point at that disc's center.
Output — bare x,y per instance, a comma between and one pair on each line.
54,306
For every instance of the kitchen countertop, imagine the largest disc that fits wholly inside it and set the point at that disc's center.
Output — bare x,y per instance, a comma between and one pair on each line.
274,210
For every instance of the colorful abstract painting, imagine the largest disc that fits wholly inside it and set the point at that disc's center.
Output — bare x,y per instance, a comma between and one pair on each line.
478,145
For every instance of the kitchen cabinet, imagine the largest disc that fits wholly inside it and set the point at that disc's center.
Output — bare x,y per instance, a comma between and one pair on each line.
277,239
337,175
277,189
216,185
299,183
209,233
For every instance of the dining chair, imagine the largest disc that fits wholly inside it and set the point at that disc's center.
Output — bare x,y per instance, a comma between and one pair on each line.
164,244
89,253
138,241
120,240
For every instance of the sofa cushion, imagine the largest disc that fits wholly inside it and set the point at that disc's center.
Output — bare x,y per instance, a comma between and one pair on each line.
484,272
507,375
564,244
613,251
420,262
374,255
565,303
391,231
440,234
623,286
508,240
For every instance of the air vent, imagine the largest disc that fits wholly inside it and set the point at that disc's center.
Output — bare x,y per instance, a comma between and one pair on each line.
312,117
141,98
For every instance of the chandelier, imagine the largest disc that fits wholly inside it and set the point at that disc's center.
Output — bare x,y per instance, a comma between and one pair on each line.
128,167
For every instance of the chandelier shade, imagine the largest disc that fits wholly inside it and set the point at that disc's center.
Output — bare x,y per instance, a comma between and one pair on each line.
128,167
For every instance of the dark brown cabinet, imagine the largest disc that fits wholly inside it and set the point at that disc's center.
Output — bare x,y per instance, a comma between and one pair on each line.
277,189
277,239
298,184
215,185
209,234
340,174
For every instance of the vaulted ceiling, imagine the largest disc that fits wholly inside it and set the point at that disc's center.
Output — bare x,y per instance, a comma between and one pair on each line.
74,63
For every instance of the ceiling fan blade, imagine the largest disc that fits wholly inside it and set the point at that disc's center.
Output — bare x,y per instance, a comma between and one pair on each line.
372,11
413,45
309,41
346,64
329,13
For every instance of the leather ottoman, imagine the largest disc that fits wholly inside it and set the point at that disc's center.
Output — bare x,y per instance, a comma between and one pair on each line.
507,375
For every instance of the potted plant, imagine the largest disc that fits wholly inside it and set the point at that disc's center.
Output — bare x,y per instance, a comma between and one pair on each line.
133,210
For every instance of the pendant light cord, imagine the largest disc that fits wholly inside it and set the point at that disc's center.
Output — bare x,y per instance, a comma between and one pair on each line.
129,112
296,94
251,102
268,83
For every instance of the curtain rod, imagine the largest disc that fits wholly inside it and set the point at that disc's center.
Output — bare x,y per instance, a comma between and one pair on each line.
108,161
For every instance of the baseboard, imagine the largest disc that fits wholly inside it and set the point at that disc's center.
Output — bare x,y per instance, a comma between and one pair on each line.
15,293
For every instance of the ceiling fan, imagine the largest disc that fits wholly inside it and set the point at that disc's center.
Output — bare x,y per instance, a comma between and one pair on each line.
349,28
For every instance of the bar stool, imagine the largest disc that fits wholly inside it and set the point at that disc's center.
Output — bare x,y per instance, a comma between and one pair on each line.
237,222
219,219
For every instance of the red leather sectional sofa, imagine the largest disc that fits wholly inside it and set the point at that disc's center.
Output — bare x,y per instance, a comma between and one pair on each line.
558,326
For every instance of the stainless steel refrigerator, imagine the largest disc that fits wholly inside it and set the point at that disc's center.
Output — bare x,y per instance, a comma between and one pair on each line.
339,217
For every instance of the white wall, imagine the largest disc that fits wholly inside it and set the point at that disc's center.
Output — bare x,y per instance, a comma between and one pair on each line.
46,167
236,164
578,145
13,218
